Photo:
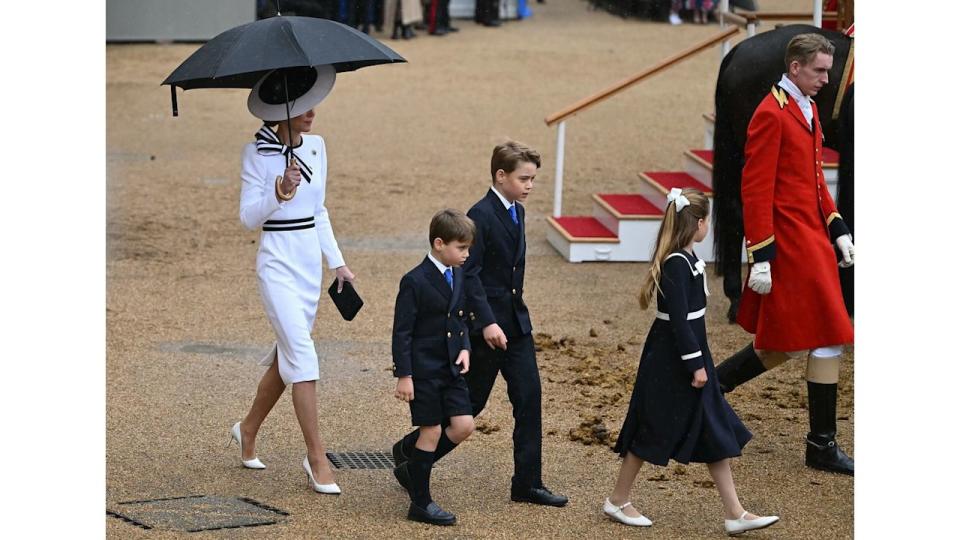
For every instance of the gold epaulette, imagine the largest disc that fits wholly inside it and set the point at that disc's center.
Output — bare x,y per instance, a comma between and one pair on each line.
780,95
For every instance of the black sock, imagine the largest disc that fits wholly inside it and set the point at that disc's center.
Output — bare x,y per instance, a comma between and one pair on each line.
444,446
409,441
419,468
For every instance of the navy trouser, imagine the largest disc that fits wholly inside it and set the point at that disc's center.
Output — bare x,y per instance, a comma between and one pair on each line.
518,364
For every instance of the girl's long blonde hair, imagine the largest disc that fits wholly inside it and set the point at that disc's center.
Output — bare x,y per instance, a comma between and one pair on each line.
676,231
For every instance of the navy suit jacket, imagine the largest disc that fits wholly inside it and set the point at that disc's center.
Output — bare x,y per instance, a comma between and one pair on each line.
495,268
428,323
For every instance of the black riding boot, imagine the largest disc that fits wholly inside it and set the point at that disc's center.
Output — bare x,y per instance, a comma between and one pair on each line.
822,450
739,368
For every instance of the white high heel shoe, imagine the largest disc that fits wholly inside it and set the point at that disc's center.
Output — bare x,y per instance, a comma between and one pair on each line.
616,513
254,463
738,526
326,489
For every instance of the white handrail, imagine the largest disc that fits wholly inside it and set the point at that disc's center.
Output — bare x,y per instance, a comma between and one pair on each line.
558,179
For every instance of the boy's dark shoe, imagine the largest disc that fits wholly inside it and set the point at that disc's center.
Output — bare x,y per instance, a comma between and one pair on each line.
432,514
493,23
402,474
540,495
452,29
439,31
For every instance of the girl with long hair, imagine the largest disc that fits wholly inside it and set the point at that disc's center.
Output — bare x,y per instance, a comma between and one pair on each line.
676,410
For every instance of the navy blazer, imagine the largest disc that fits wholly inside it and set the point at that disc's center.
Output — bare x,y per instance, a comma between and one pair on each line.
495,268
428,323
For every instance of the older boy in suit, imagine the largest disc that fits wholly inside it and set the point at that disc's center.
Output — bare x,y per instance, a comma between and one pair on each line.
431,352
501,333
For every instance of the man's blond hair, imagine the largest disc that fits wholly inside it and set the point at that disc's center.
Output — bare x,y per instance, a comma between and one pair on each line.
804,48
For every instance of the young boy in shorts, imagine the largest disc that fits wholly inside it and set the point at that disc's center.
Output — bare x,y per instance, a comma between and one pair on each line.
431,352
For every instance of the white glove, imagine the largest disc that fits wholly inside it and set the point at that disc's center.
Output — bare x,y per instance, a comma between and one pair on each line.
760,279
845,243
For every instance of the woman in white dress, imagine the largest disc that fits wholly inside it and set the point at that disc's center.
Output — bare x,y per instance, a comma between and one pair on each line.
287,203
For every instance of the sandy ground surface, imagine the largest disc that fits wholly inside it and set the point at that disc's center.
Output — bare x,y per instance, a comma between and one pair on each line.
185,325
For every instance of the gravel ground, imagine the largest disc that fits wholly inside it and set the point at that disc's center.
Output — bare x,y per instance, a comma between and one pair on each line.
185,325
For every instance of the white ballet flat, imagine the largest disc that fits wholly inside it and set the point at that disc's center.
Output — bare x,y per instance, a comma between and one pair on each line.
254,463
738,526
326,489
616,513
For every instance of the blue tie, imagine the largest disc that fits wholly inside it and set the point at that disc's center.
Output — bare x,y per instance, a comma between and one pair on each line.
449,275
513,214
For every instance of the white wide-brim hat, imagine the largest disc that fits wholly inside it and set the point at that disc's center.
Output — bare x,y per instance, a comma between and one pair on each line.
306,87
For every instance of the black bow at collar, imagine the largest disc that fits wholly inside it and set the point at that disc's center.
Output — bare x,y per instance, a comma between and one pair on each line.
268,144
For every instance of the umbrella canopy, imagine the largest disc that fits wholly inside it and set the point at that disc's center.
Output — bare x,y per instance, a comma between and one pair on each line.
241,56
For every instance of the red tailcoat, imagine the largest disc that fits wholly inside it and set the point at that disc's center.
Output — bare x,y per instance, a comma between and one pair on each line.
790,220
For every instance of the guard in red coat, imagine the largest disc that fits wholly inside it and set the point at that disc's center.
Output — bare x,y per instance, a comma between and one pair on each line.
792,300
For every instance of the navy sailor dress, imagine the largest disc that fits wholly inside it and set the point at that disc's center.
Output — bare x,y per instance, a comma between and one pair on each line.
668,418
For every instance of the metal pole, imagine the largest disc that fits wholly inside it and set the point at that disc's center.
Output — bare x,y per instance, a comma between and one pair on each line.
558,177
818,13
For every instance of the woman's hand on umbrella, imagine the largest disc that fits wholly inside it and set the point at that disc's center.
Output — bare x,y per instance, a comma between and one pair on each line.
343,274
291,178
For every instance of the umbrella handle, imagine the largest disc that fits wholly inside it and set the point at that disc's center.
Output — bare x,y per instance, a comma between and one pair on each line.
280,194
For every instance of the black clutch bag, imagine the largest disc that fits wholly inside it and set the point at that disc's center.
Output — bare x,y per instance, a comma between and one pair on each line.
348,302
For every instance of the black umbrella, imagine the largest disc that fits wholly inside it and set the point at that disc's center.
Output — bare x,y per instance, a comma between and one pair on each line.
241,56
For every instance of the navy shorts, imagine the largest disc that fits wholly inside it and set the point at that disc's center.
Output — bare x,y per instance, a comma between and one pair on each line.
435,400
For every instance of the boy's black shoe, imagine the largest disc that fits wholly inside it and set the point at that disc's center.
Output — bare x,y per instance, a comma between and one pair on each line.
492,23
402,474
452,29
439,31
432,514
540,495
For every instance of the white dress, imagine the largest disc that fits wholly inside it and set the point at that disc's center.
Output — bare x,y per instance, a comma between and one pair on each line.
295,235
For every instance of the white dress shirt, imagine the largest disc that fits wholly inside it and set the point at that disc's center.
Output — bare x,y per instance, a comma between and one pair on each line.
440,266
506,204
803,101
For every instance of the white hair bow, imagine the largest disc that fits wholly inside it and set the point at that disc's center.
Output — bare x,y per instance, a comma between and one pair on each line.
676,196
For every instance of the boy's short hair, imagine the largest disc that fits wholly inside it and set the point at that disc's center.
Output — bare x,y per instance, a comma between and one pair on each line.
449,225
509,155
804,48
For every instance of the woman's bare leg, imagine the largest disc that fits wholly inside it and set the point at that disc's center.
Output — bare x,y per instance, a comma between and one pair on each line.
269,390
305,405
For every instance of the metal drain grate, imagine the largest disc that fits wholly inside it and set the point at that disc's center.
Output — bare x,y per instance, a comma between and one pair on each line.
196,513
361,460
